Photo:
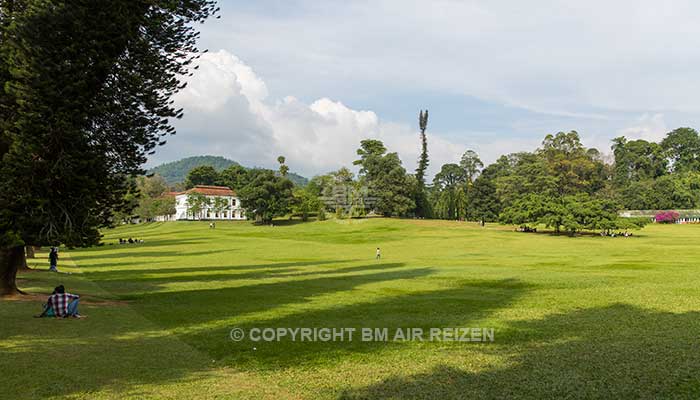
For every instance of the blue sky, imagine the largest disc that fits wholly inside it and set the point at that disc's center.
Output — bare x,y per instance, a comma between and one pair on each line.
310,79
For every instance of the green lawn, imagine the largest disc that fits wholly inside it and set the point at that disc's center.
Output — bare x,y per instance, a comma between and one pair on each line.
585,317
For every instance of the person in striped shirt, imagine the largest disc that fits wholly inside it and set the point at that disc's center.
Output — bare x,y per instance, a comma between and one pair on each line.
64,304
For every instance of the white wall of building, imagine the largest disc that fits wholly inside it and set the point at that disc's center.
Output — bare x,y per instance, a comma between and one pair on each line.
233,213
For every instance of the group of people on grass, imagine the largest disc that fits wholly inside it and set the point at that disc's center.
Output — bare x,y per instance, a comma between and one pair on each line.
527,229
604,233
613,234
130,240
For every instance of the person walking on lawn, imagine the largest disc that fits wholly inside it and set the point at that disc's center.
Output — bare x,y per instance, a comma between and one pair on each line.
53,259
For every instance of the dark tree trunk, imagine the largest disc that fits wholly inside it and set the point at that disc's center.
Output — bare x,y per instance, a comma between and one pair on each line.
26,251
11,259
23,264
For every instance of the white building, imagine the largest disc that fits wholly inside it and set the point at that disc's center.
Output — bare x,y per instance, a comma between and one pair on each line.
231,211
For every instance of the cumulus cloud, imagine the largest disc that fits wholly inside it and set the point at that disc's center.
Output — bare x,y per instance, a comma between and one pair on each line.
228,114
220,77
650,127
327,74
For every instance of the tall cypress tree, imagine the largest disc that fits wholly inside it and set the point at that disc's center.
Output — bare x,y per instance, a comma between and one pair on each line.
85,93
421,199
423,159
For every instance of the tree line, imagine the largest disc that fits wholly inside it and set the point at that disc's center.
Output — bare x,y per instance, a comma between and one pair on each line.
566,186
562,185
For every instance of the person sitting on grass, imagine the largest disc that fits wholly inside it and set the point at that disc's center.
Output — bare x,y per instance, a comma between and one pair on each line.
48,311
61,304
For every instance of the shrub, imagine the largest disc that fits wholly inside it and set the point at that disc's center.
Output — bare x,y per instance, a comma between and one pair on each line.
667,217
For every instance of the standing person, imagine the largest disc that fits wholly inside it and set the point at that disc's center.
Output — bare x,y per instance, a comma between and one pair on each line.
64,304
379,253
53,259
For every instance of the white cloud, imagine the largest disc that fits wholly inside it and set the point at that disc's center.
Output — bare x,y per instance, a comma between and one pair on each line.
650,127
563,57
226,113
590,66
221,76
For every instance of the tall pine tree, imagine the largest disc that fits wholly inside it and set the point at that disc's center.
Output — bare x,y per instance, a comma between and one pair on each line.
423,159
85,96
422,203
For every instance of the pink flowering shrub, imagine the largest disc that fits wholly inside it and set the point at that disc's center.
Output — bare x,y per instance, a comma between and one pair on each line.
667,217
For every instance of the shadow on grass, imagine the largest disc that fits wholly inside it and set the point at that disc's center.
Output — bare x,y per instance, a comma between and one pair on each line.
618,351
141,251
587,234
115,349
215,304
132,275
290,222
47,358
148,243
451,307
156,278
370,235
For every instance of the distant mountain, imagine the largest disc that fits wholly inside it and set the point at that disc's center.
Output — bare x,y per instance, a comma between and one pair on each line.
176,171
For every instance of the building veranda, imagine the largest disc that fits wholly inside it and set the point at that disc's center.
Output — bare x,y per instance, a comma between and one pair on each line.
204,202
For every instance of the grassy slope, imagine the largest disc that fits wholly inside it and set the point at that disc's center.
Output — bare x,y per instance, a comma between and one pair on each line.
574,317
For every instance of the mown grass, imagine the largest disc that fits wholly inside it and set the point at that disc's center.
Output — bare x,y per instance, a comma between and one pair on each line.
585,317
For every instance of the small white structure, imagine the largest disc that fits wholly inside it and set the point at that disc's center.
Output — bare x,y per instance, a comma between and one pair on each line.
230,211
685,216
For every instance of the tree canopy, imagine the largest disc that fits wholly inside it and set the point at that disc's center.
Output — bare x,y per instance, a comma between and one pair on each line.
390,188
202,175
266,196
86,96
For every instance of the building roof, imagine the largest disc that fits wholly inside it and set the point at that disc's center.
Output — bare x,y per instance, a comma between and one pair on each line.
207,190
